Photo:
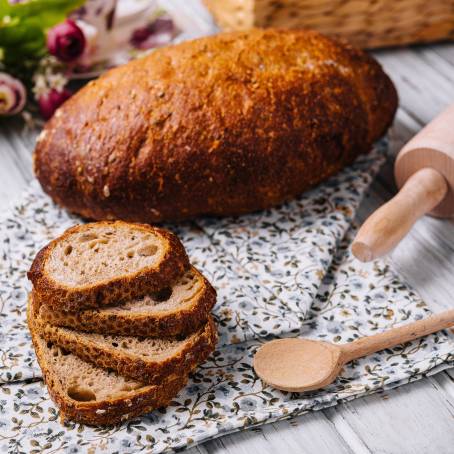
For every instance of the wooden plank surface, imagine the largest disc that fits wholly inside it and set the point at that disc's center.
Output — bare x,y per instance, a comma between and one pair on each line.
416,418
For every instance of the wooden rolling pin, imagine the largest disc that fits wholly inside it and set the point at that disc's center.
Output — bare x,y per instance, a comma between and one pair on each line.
424,172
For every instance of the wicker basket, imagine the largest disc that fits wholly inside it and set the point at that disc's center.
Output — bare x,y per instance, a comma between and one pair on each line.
366,23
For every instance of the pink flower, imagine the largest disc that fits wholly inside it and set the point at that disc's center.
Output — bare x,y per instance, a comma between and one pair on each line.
12,95
51,101
158,33
66,41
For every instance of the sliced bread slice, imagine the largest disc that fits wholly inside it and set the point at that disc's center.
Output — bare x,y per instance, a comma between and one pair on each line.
173,311
90,395
106,262
146,359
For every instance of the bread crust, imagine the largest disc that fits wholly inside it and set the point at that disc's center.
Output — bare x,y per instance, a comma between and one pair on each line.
222,125
175,322
152,371
172,265
108,411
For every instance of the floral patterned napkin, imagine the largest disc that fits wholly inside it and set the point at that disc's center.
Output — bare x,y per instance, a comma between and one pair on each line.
282,272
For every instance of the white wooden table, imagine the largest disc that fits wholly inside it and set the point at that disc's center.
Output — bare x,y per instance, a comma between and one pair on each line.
416,418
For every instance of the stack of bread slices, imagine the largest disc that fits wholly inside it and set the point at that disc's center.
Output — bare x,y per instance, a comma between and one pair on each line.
119,319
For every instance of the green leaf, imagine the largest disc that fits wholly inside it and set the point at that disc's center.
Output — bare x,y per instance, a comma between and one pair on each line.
23,28
45,12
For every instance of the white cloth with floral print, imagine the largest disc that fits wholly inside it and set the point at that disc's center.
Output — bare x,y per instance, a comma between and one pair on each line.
281,272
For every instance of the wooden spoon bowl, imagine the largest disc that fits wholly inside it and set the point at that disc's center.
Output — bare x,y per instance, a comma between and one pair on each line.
308,364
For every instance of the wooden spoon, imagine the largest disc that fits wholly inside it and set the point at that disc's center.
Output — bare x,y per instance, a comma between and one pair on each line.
303,365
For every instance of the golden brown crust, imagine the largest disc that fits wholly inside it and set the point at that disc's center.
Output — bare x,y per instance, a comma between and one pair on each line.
172,265
109,411
179,321
221,125
147,370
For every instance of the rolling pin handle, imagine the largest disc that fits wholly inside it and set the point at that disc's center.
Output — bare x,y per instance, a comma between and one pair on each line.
383,230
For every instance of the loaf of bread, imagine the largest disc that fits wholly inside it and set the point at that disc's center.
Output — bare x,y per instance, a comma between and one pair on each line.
221,125
148,360
102,263
91,395
119,319
173,311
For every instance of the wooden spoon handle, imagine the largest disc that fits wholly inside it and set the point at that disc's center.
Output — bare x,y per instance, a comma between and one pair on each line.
371,344
383,230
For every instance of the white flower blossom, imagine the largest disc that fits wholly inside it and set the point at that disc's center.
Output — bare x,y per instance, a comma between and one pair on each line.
48,76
